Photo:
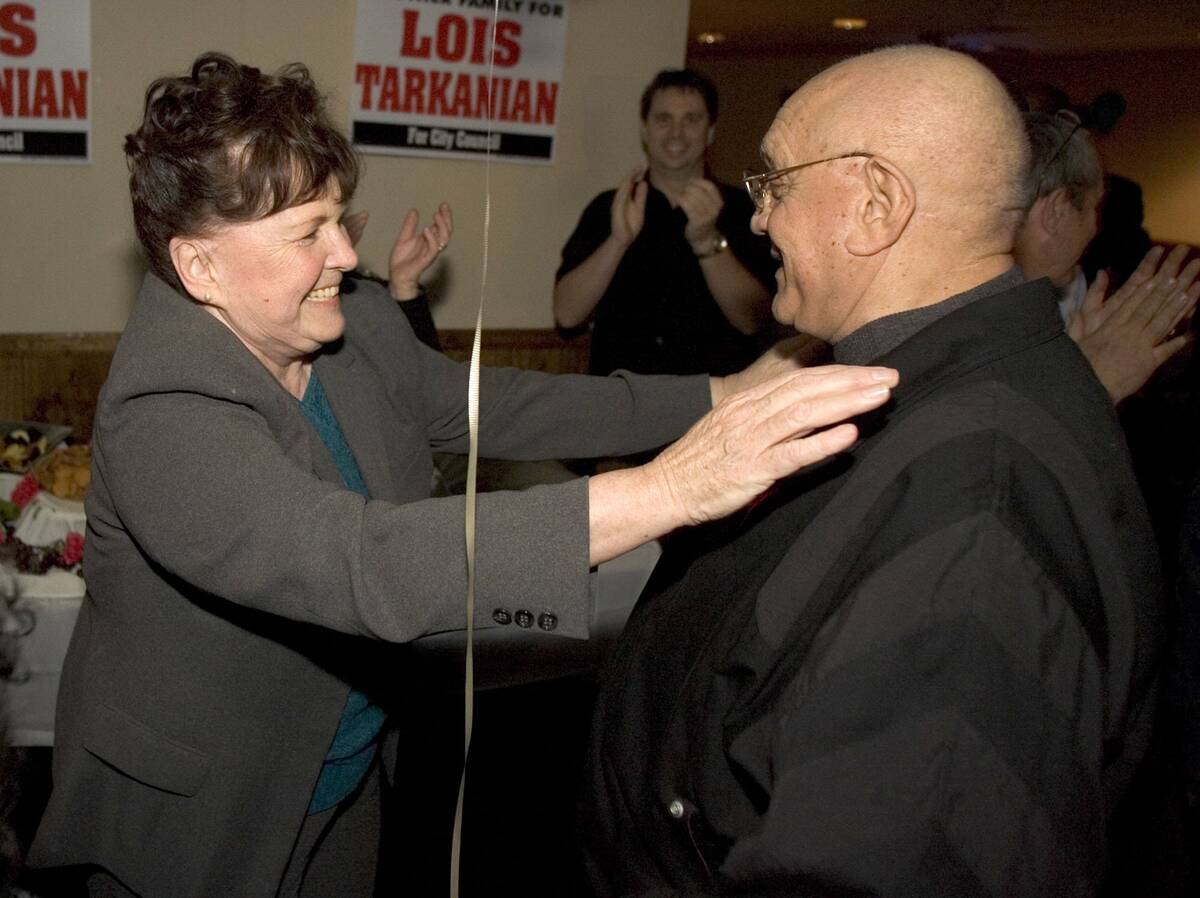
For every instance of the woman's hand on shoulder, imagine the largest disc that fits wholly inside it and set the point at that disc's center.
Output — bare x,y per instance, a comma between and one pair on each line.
757,436
733,454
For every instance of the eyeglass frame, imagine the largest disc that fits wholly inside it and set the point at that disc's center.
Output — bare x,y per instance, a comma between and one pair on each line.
760,180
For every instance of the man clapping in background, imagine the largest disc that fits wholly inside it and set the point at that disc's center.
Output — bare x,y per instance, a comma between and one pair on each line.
665,266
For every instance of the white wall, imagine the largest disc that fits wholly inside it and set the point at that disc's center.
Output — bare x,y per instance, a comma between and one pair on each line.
68,254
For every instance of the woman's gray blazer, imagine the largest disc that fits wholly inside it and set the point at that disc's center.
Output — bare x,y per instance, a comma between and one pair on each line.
236,589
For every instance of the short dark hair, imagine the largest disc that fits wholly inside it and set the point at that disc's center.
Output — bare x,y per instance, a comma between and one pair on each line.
683,79
226,143
1062,155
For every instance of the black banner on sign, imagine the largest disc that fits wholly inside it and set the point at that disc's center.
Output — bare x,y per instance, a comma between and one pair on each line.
57,144
452,140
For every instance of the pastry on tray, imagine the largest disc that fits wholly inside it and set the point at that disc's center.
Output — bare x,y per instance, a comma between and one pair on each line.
65,472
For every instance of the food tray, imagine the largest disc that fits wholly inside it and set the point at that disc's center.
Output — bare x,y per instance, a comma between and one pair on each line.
54,434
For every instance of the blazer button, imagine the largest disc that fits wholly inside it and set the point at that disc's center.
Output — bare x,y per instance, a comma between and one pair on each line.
502,617
523,618
547,621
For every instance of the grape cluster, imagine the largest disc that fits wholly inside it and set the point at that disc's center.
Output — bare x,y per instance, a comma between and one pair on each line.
32,560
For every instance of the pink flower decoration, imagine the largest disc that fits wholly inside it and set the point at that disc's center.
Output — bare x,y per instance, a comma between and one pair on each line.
25,491
72,552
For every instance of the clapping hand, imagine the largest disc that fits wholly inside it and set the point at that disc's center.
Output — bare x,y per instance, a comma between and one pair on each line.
701,201
629,208
416,249
1128,337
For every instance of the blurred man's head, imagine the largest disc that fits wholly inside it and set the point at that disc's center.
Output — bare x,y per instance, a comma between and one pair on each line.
1065,184
679,114
911,192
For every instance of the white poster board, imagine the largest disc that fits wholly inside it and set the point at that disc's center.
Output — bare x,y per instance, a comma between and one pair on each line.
421,83
45,80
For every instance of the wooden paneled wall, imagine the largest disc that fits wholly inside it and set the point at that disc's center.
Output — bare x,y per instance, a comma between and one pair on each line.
56,377
536,350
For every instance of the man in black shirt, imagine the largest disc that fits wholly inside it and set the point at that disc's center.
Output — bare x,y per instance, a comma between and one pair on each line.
927,667
665,266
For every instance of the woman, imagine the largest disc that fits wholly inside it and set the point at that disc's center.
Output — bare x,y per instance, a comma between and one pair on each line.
259,529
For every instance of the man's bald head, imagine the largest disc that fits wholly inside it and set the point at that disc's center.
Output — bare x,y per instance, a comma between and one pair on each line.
939,115
917,195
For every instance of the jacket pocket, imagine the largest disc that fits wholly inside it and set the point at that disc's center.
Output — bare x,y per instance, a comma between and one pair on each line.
142,754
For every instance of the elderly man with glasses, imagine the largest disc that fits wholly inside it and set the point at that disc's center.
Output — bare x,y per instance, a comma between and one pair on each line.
925,667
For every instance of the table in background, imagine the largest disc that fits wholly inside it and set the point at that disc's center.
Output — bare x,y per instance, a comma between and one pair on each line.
46,610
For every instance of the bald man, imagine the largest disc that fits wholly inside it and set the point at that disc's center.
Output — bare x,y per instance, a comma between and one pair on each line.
924,668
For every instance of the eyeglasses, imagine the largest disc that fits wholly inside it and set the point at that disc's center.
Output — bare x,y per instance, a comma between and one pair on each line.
756,182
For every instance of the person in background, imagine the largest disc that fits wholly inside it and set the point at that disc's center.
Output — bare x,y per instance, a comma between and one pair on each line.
1129,336
1068,184
664,267
928,666
1121,242
261,542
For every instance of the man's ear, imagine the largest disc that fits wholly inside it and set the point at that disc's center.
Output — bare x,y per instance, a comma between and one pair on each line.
1035,220
1056,211
194,268
883,211
711,136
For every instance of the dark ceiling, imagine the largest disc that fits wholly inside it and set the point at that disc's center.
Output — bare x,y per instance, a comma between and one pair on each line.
984,26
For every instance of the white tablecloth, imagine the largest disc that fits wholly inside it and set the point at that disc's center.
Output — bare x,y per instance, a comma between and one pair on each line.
30,699
50,603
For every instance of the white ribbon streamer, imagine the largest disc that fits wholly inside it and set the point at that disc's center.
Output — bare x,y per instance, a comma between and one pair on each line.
472,470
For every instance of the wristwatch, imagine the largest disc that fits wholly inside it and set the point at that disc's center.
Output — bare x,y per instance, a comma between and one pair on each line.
719,245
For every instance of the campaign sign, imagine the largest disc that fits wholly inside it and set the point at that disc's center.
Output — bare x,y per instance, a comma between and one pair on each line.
45,63
446,78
